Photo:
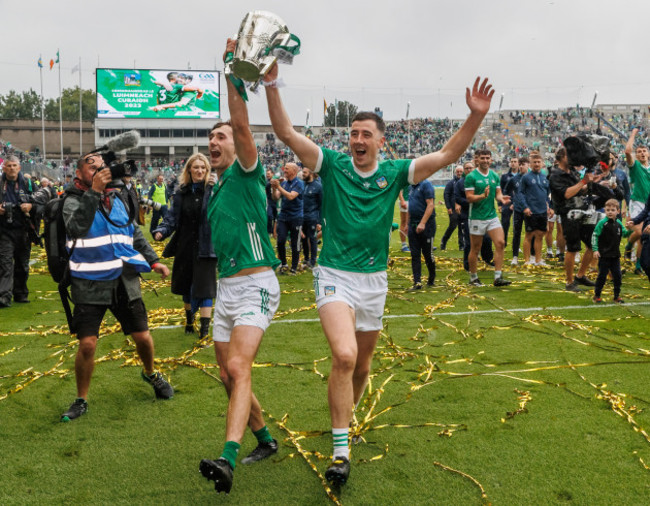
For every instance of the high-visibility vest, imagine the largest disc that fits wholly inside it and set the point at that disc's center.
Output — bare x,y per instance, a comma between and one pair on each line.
160,194
101,254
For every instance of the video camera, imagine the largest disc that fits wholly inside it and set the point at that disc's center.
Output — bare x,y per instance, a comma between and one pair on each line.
588,216
124,141
127,168
587,150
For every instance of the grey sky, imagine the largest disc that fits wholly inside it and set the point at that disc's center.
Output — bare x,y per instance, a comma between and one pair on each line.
373,53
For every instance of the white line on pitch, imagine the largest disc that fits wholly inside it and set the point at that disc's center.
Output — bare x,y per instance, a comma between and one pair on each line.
462,313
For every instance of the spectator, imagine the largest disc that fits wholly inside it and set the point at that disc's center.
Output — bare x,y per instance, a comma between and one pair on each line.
291,191
194,272
450,205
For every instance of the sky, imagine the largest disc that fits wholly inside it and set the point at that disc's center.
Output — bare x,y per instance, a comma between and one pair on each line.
384,53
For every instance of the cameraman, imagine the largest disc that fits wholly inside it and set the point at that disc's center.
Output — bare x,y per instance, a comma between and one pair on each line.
568,192
107,254
15,243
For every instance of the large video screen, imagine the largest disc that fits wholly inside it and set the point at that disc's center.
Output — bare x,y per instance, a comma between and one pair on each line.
129,93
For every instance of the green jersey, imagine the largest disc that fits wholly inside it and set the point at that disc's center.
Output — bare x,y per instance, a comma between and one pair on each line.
640,181
483,209
237,216
357,211
166,96
192,97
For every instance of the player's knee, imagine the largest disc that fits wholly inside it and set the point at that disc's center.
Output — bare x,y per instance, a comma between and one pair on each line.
500,244
344,360
238,369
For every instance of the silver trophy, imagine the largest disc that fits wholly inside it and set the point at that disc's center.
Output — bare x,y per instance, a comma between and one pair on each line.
262,40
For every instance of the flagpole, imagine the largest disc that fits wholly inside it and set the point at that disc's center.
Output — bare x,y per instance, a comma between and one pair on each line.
40,69
58,59
80,116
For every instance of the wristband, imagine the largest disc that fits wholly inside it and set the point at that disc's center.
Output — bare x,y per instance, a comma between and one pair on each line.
276,83
153,265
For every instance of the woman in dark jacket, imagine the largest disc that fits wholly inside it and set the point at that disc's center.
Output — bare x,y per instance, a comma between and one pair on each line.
194,271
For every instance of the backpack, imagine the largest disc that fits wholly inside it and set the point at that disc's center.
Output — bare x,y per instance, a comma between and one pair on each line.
54,237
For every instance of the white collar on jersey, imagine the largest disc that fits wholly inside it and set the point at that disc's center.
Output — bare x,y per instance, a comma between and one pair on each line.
365,175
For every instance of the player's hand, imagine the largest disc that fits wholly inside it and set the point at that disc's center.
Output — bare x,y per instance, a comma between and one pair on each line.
478,100
157,236
550,213
212,180
528,212
486,193
272,74
646,230
403,204
419,229
505,199
101,179
457,208
161,269
231,45
450,212
596,255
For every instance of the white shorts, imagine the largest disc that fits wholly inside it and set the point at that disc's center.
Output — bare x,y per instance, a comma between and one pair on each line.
246,300
635,208
480,227
364,292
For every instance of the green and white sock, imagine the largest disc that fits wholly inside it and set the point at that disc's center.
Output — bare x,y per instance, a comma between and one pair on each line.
340,440
497,274
473,276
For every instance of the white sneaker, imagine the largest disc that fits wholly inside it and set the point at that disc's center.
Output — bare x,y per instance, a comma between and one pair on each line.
530,263
541,263
515,261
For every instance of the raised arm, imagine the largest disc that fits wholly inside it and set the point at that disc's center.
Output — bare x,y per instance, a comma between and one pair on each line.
478,101
244,143
306,150
629,148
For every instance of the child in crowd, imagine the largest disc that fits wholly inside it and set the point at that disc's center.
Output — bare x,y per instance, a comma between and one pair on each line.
606,245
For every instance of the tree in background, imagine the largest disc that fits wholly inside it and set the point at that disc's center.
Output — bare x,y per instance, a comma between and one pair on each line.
70,105
24,106
345,111
28,105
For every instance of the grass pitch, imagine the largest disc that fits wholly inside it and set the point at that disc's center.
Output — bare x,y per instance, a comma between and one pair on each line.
477,395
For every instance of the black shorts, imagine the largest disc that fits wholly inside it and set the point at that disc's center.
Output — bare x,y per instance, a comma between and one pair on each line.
87,318
575,232
536,222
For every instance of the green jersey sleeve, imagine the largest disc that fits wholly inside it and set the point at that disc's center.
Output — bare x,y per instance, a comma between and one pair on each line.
595,237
